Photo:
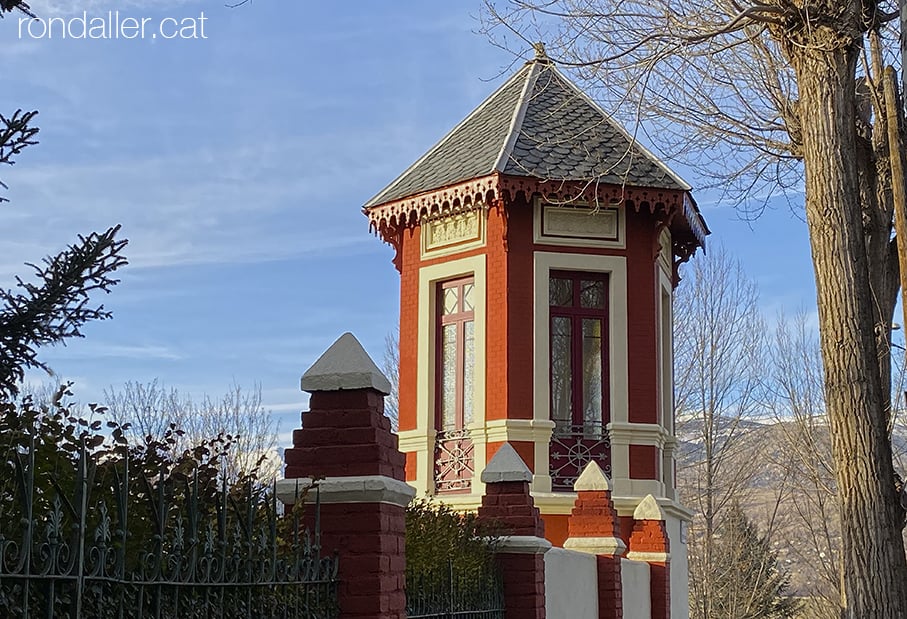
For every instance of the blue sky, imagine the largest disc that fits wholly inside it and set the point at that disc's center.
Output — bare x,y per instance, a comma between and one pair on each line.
238,164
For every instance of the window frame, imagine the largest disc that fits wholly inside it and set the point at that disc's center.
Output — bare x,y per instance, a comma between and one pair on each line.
458,318
576,313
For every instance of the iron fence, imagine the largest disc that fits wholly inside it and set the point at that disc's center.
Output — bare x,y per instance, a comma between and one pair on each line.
476,593
156,548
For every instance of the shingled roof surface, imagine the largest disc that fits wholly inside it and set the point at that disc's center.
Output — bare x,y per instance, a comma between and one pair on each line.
539,125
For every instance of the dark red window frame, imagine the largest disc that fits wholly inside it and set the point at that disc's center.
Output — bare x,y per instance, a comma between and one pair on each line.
454,463
459,318
576,313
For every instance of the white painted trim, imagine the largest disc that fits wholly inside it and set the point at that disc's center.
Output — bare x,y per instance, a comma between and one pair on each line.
608,546
665,296
517,120
616,268
524,544
459,502
539,236
626,505
649,557
356,489
429,277
558,503
500,430
625,433
649,509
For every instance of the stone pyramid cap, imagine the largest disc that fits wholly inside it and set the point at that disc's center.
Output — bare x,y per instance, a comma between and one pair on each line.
506,465
345,366
592,478
648,509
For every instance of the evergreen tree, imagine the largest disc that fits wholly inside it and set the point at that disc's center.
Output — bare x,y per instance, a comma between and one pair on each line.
746,581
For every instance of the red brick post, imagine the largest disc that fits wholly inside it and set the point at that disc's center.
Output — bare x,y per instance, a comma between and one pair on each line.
508,504
649,543
594,528
346,445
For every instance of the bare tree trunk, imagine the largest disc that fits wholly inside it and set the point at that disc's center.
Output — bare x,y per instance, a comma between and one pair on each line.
902,4
875,577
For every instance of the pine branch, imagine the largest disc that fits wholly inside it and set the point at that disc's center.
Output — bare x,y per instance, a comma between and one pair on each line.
15,135
7,6
55,308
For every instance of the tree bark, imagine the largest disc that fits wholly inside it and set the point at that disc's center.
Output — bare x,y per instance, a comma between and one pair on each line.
875,570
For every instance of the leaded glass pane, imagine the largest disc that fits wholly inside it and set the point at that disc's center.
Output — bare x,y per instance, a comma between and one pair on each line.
468,297
561,371
592,294
469,362
560,292
450,300
592,376
448,372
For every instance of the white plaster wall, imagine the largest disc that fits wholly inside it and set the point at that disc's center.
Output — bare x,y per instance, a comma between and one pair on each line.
571,585
634,579
680,584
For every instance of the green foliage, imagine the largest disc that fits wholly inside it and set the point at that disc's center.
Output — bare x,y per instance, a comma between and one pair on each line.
145,512
745,581
449,560
438,537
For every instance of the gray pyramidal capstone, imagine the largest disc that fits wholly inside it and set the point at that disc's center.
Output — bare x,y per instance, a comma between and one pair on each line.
506,465
345,366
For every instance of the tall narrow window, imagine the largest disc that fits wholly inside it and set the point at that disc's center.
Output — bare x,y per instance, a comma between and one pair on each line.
578,309
455,363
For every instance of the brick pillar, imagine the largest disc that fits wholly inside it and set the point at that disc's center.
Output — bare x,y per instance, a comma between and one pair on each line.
594,528
508,504
649,543
347,447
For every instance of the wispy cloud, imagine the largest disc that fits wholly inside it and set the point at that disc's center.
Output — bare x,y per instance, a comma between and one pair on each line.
47,8
94,349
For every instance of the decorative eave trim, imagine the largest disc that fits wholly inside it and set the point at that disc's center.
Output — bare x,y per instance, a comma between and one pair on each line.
474,194
593,193
694,219
482,193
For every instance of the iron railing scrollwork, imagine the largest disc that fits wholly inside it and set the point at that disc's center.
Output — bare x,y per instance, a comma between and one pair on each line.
452,593
180,555
572,447
454,461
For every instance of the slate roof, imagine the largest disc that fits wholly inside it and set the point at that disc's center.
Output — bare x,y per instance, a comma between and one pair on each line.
537,124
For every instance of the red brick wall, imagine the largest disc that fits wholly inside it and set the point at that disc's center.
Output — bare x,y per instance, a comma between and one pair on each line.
643,462
409,327
370,538
610,588
556,528
594,515
520,302
344,434
496,359
524,585
525,449
642,343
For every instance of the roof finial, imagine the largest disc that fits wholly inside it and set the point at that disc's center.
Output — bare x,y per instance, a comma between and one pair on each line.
540,52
